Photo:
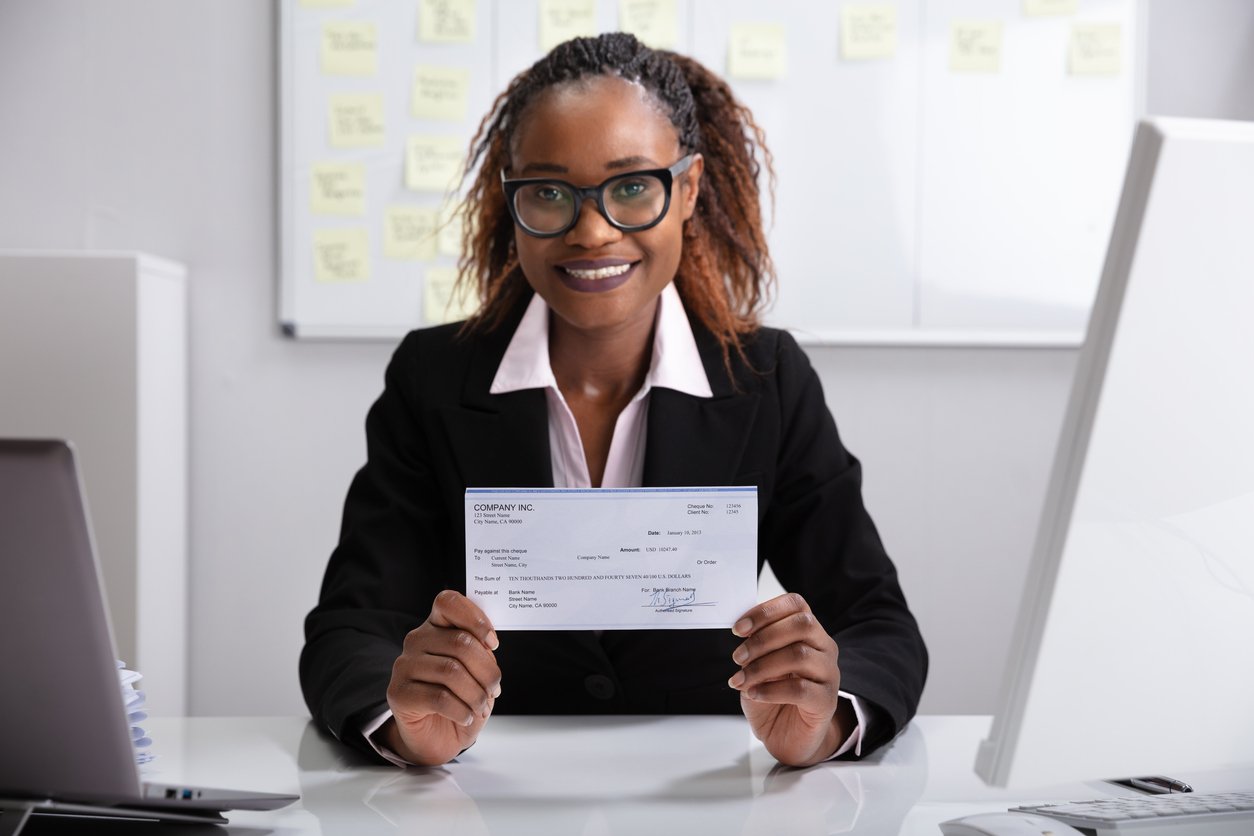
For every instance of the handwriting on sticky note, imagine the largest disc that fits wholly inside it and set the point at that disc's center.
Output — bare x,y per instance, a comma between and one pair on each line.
349,48
450,228
975,46
432,163
409,233
356,120
446,21
868,31
1095,49
757,50
338,189
341,255
440,93
442,300
654,22
561,20
1046,8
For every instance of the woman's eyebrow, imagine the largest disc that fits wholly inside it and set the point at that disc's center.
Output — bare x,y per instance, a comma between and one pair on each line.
636,161
630,162
551,168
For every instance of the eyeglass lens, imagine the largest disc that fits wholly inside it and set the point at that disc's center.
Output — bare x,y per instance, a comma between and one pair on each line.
631,200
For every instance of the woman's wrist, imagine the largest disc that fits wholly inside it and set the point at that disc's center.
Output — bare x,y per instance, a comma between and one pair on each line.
837,731
844,723
389,735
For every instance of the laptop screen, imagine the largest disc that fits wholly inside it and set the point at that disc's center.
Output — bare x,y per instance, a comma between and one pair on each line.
61,715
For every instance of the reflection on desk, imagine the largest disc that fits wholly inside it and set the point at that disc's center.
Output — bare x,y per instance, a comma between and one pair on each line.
628,775
593,776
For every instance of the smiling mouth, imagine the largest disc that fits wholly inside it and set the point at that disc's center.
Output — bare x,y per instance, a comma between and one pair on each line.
599,273
591,277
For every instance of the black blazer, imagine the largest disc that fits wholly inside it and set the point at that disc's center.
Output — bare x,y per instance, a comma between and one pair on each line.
436,430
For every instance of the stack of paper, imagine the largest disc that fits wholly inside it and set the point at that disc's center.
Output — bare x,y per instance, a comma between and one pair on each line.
133,700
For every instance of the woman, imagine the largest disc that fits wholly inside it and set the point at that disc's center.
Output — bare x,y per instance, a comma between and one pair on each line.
615,238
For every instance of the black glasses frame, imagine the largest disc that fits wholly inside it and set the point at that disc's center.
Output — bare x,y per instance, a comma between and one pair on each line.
596,193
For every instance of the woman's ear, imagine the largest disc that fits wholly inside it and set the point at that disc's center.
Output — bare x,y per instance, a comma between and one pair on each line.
690,185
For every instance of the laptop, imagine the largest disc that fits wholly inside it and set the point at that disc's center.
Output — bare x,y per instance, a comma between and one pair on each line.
66,741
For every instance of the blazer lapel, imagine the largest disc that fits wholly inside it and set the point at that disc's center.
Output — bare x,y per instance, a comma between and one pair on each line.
695,441
499,441
505,448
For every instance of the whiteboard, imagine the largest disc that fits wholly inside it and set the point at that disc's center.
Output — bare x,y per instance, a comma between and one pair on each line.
915,202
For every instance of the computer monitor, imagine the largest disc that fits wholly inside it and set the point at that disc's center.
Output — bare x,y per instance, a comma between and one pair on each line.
1134,648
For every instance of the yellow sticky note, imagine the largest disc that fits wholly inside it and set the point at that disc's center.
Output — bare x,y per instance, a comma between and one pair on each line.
349,48
1046,8
440,93
868,30
449,234
356,120
338,189
561,20
432,163
341,255
975,46
757,50
446,21
1096,49
441,300
654,22
409,233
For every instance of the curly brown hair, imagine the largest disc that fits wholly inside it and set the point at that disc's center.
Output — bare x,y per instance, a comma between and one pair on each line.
725,273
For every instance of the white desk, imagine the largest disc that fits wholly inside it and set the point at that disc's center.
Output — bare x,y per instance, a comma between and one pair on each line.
596,776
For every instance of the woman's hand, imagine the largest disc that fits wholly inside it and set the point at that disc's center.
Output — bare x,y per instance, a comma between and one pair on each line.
789,682
444,683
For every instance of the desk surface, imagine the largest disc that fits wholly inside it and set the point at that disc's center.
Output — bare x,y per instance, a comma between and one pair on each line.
594,776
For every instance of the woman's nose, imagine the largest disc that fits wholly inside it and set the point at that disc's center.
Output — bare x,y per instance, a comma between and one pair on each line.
591,229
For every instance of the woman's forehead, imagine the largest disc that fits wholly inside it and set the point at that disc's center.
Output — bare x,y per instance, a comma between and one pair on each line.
591,121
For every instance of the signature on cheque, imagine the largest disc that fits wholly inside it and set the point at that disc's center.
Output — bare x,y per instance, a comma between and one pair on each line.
672,600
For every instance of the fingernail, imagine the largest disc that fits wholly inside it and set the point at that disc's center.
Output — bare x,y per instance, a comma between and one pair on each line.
738,679
496,690
468,720
752,693
740,656
742,627
493,641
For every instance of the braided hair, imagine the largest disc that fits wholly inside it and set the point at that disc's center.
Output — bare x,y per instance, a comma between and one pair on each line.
725,273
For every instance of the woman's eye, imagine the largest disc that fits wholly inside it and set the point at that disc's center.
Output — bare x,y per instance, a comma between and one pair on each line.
629,189
549,194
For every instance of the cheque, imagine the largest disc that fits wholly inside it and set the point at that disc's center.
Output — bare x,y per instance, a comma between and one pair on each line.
612,558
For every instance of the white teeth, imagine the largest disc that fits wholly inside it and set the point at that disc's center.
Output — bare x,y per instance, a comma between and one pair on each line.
600,272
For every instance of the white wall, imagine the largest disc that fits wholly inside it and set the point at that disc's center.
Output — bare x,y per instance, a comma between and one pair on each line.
145,124
150,125
1201,59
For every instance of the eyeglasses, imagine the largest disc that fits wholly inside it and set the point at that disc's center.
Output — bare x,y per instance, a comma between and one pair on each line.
635,201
